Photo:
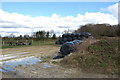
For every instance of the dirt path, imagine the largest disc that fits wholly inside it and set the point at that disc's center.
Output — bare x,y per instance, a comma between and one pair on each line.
12,54
36,62
36,50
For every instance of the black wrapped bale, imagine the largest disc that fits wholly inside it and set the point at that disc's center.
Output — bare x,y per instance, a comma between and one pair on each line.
66,35
74,38
61,42
70,39
80,38
77,34
67,48
64,39
72,35
58,41
76,43
64,42
86,34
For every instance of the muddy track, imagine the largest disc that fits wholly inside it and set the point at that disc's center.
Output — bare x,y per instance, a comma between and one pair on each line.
36,62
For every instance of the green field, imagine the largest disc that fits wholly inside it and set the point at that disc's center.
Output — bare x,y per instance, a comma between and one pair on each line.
34,43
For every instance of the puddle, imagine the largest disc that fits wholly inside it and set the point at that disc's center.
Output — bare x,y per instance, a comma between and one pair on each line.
2,56
1,70
6,69
11,56
23,62
11,62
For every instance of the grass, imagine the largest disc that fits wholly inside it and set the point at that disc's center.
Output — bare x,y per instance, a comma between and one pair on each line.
35,43
101,57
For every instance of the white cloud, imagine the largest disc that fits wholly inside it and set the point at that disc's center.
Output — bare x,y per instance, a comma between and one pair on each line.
112,9
25,24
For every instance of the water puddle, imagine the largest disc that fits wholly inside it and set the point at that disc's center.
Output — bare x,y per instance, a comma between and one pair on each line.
12,62
1,70
2,56
23,62
10,56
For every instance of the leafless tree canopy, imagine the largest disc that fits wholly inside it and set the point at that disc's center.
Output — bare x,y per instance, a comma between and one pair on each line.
101,30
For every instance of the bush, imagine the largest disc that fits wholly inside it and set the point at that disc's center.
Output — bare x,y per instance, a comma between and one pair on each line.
98,30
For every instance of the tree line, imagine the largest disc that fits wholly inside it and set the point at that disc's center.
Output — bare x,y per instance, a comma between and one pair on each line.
39,35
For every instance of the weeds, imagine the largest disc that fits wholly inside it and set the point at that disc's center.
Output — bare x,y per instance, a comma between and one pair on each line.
94,48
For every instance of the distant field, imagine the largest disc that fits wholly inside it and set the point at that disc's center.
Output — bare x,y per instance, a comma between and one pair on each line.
34,43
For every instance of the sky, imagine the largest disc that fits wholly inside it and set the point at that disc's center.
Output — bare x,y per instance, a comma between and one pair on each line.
47,9
22,18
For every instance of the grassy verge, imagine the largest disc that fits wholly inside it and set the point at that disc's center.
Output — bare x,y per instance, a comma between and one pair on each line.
35,43
102,57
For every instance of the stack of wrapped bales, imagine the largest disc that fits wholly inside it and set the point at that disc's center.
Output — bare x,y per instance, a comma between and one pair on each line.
72,36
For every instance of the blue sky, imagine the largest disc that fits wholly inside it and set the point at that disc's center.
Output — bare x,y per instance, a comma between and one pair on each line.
48,8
